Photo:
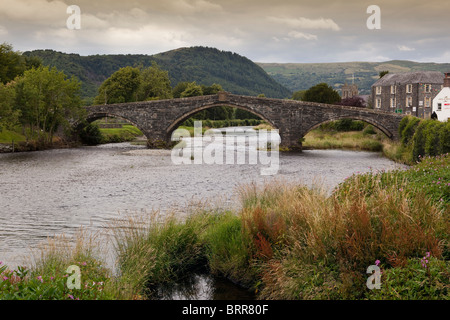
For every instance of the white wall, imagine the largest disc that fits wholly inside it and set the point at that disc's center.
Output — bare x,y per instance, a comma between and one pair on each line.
443,98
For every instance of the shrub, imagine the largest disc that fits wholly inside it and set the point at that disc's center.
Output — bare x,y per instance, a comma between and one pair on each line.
369,130
420,279
91,135
407,128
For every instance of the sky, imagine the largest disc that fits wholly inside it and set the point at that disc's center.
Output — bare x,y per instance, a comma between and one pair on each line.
283,31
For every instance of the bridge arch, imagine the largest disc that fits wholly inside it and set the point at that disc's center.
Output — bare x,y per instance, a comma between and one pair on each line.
371,121
180,119
92,116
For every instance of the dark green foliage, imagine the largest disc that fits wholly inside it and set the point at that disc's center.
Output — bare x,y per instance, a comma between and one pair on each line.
298,95
407,128
383,73
13,64
233,72
322,93
431,138
343,125
121,87
91,135
369,130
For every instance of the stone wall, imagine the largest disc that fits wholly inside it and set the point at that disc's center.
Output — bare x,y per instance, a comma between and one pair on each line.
158,119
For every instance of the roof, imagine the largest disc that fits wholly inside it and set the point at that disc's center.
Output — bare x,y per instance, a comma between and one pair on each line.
389,79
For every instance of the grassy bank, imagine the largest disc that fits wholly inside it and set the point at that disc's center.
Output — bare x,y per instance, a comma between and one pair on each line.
352,140
287,242
124,134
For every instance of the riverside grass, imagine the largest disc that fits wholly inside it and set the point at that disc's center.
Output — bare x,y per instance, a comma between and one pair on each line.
286,242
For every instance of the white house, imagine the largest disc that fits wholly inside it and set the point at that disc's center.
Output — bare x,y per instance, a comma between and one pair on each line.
441,103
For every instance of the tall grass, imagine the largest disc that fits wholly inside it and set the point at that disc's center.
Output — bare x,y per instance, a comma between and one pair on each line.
286,242
310,246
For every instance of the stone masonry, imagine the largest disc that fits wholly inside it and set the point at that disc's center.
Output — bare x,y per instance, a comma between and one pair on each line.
158,119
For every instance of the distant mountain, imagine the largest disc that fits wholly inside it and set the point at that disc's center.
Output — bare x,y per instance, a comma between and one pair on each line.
233,72
302,76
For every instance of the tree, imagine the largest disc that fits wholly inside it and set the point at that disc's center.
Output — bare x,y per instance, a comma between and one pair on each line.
322,93
121,86
154,84
298,95
192,90
383,73
212,89
8,116
47,100
13,64
179,88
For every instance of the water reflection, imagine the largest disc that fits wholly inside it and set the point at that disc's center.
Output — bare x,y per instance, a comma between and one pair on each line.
202,286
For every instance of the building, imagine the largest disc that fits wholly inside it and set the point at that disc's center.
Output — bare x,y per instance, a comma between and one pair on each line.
408,93
441,103
349,90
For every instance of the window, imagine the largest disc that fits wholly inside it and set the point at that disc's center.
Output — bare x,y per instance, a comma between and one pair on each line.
439,106
378,103
409,88
427,88
393,102
377,90
393,89
409,102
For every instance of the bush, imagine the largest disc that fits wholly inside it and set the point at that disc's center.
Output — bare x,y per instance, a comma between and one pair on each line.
407,128
420,279
91,135
431,138
369,130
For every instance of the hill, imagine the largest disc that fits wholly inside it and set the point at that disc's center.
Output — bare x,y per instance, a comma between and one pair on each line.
233,72
302,76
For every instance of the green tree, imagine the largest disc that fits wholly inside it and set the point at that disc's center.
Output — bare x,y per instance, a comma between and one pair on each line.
212,89
179,88
48,100
298,95
383,73
322,93
13,64
154,84
121,86
8,116
192,90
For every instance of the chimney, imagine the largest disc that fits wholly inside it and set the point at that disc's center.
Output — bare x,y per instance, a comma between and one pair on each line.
447,80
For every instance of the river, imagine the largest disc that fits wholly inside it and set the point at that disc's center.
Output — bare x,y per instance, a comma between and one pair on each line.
46,193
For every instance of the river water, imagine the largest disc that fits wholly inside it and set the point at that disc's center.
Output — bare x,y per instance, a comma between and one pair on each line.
46,193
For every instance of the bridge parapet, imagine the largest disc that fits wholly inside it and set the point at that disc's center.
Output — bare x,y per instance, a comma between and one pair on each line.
158,118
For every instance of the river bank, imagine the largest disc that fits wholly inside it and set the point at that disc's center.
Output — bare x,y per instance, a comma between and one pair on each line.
286,241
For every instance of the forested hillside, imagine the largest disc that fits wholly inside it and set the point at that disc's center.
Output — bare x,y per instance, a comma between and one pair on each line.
302,76
206,66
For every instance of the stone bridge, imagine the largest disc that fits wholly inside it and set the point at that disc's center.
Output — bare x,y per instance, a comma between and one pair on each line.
159,118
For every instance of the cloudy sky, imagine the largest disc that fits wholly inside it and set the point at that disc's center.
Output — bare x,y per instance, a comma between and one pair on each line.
262,30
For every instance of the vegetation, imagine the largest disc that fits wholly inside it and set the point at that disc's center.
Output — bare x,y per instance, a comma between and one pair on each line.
36,101
301,76
420,138
130,84
203,65
13,63
286,242
47,100
322,93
